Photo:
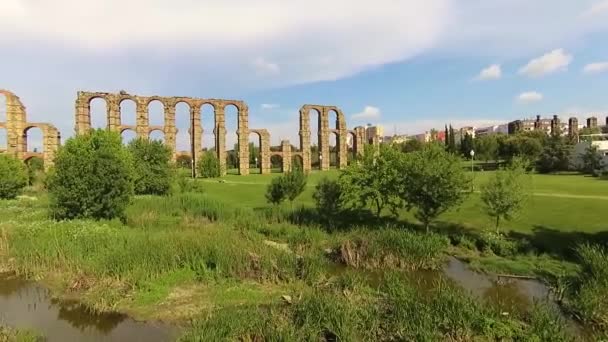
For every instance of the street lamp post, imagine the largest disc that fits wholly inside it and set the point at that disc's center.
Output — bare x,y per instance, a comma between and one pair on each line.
256,163
472,153
320,162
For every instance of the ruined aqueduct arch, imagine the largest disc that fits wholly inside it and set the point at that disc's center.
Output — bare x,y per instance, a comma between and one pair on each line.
17,128
143,129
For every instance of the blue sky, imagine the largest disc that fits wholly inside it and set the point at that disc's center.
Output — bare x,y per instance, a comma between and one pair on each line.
410,65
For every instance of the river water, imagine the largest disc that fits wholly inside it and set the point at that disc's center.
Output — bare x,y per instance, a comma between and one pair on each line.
25,304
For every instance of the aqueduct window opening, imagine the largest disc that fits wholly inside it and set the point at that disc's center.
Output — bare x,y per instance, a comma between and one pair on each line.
156,113
231,121
297,163
33,140
157,135
208,125
183,124
276,163
255,153
315,152
333,150
127,135
128,112
351,146
98,110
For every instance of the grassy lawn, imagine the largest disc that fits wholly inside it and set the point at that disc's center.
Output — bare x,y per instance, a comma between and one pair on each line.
566,202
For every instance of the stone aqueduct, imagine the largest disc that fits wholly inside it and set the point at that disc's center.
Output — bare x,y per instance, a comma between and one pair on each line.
17,127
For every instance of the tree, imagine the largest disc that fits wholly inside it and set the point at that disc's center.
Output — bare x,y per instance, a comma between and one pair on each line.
294,183
152,168
486,147
209,166
447,138
35,167
505,192
555,156
411,145
328,198
592,160
433,182
452,141
522,145
13,176
93,177
374,181
287,186
466,145
183,161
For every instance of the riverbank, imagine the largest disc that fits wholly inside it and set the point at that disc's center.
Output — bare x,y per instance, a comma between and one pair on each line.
188,258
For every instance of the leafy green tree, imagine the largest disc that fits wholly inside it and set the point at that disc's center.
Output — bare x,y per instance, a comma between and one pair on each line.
374,181
152,168
555,156
209,166
466,145
505,192
93,177
433,182
521,145
288,186
13,176
411,145
276,191
592,160
452,148
486,147
328,198
294,183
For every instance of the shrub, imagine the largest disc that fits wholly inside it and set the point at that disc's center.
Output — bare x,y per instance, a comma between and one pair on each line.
13,177
93,177
328,198
276,191
209,166
590,290
151,163
287,186
35,169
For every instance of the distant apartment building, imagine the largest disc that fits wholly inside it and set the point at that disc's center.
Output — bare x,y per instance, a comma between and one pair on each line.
461,132
489,130
539,124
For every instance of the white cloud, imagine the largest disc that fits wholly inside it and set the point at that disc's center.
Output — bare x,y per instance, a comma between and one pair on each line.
493,72
264,67
548,63
596,68
529,97
368,113
270,106
596,9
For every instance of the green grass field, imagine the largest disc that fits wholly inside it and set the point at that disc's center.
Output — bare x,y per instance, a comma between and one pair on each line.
567,202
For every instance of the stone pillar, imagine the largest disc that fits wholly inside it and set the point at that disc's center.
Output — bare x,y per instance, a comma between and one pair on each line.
342,144
537,124
196,134
592,122
515,126
556,125
361,140
304,140
83,115
324,139
15,126
51,145
220,137
142,128
573,128
169,129
286,148
113,113
243,139
265,164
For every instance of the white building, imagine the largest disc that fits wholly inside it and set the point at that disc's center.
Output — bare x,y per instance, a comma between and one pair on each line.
581,148
496,129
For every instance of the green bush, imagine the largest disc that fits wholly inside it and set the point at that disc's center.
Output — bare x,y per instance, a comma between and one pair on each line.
287,186
151,163
93,177
328,198
35,169
13,177
276,191
589,295
209,166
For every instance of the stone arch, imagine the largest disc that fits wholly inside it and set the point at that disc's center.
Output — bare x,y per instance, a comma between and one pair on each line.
255,151
208,122
183,126
33,139
156,111
334,148
352,145
276,162
157,134
98,112
315,138
127,135
233,145
128,111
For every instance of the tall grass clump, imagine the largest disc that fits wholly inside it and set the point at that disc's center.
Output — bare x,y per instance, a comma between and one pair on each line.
589,297
391,247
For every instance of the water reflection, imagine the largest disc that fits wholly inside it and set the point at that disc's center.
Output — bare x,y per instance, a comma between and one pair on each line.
26,305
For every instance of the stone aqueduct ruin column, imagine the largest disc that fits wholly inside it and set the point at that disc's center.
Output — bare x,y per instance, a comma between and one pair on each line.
17,128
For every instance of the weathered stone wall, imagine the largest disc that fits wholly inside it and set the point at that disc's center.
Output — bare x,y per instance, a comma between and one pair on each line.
573,128
17,128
